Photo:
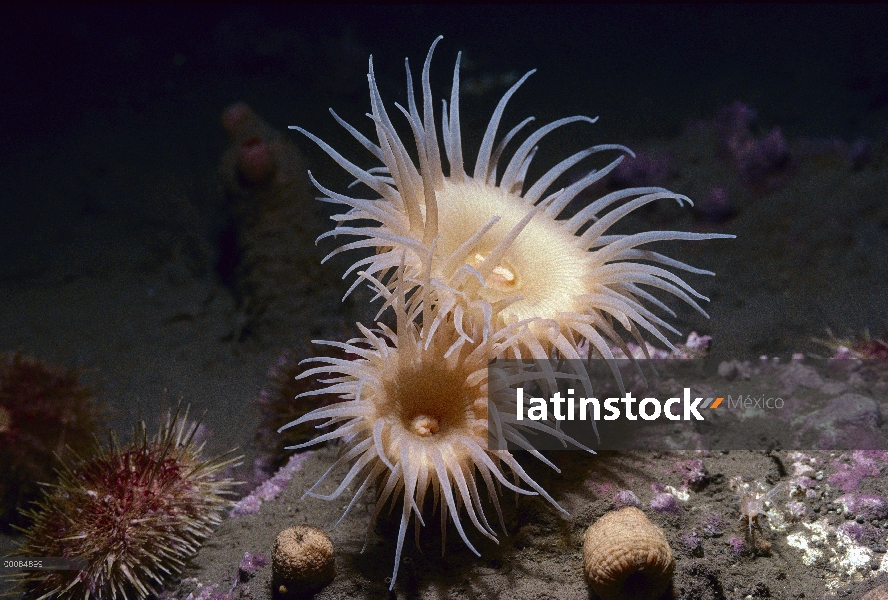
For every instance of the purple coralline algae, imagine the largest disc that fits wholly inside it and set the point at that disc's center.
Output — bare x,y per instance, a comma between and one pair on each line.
804,482
665,503
644,170
762,162
867,506
692,542
864,463
712,524
693,472
796,509
849,421
857,154
858,533
271,488
715,206
696,346
737,544
251,563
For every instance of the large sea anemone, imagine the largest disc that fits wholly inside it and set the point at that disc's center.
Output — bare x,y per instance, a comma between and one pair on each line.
492,238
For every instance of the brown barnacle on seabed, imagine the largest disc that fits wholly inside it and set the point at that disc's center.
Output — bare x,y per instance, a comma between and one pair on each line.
627,557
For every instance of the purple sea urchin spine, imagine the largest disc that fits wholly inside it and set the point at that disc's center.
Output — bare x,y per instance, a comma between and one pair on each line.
279,405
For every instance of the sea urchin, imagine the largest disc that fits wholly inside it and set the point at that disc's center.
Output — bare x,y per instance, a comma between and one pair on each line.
494,239
135,513
44,410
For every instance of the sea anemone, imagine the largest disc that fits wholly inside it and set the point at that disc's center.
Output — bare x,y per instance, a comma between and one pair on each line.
135,513
489,238
414,415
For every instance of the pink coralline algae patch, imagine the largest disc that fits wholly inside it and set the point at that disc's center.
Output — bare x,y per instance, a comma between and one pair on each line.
696,346
645,170
716,206
692,542
712,524
601,489
857,154
855,531
804,483
693,473
763,162
849,421
864,463
737,544
867,506
796,509
251,563
204,592
271,488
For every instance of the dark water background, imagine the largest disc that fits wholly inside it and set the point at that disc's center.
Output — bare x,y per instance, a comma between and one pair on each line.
154,79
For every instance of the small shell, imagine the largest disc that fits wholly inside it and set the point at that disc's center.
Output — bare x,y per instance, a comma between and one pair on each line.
627,557
302,561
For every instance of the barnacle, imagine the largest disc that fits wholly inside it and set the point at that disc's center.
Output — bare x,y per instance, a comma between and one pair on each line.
626,557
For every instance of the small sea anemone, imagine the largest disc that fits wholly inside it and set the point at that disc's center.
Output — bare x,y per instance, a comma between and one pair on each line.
491,238
414,415
134,513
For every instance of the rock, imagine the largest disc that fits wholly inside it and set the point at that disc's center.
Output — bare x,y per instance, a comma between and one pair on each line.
879,593
849,421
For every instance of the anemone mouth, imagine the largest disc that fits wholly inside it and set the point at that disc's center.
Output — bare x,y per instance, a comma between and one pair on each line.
429,400
543,265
